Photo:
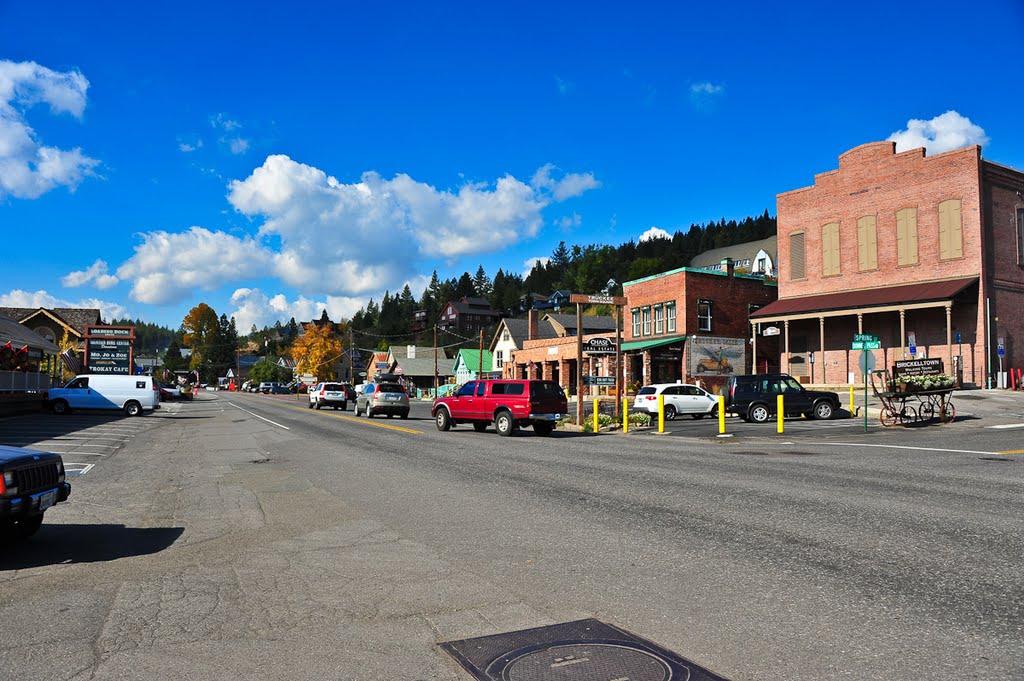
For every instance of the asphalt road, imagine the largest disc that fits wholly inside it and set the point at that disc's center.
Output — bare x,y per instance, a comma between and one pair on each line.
245,536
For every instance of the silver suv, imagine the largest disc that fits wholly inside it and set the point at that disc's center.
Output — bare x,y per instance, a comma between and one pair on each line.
382,398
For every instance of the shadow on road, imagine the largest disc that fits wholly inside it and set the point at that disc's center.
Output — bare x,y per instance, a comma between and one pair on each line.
56,544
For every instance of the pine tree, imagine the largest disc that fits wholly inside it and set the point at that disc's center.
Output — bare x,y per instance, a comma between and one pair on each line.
482,283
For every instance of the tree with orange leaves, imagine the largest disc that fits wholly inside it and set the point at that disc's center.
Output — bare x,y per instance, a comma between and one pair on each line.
317,352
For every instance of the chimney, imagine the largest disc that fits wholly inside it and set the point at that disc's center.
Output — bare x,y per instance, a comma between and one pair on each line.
729,266
532,330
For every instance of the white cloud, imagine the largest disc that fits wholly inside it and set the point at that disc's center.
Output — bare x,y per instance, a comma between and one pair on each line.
704,95
96,273
364,235
942,133
19,298
186,147
569,186
252,306
530,263
168,267
238,145
569,221
29,169
655,233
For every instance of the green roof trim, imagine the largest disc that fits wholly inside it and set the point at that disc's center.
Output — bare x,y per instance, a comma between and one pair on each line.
693,270
653,343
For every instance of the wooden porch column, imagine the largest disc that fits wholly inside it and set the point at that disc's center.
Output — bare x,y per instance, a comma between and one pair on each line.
821,360
949,338
903,334
786,348
753,336
860,322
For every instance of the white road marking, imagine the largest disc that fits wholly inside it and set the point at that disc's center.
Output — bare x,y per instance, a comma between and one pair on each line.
259,417
73,468
1008,425
920,449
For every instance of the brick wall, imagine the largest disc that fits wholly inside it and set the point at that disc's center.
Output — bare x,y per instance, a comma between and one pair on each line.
1003,190
874,180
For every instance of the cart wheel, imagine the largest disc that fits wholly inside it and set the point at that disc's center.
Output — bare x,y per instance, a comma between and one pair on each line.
908,415
888,417
927,412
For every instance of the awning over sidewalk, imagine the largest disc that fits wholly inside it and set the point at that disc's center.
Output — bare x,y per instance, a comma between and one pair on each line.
908,294
18,336
653,343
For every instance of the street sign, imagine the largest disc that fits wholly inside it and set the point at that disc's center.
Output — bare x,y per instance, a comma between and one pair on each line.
957,336
1000,351
382,365
864,337
867,362
771,331
866,345
597,299
599,380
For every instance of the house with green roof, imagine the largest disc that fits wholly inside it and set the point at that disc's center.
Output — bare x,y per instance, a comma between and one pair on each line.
467,365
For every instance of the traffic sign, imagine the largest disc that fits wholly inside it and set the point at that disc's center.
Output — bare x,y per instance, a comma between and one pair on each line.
864,337
1000,351
599,380
866,345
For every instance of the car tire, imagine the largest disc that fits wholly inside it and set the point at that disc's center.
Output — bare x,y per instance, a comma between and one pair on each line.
20,530
310,405
670,412
824,410
404,415
479,426
759,413
697,417
504,423
543,429
443,420
60,407
318,406
132,408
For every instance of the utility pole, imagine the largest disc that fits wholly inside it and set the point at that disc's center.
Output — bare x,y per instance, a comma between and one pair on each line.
579,363
351,355
435,360
480,371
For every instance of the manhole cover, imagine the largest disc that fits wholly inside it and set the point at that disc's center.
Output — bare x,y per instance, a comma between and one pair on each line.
587,650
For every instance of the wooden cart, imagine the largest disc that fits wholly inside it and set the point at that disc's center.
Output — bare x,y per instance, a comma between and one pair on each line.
904,407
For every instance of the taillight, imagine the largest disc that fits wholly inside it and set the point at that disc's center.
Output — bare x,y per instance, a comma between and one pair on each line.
650,398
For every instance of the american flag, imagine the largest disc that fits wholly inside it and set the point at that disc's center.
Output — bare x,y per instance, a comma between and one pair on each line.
71,361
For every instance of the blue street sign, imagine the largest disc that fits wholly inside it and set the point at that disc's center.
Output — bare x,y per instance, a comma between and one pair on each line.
957,336
1001,351
913,350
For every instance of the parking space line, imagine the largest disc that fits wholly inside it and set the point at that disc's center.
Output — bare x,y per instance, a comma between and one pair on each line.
73,468
259,417
920,449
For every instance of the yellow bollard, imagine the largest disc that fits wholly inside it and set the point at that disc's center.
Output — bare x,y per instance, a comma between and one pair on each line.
596,424
661,413
721,414
781,412
852,409
625,414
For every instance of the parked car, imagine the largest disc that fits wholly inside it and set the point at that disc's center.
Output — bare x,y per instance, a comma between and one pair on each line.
277,389
169,393
267,386
508,404
383,398
328,395
754,397
31,481
680,398
133,394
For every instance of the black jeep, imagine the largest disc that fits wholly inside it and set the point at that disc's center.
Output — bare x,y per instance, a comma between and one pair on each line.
754,397
30,482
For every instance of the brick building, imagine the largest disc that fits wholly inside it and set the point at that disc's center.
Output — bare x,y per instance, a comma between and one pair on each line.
906,247
692,324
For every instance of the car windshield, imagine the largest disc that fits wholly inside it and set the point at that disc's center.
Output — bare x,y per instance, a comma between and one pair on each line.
647,390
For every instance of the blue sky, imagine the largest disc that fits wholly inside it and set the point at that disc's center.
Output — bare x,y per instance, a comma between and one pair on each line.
274,161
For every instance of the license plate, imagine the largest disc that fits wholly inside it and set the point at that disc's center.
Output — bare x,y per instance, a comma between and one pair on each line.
47,499
393,398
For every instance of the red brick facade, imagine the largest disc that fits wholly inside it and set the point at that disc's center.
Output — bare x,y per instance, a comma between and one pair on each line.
874,182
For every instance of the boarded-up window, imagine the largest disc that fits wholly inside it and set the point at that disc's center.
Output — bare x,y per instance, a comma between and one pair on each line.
830,249
1020,236
867,243
906,236
951,236
796,256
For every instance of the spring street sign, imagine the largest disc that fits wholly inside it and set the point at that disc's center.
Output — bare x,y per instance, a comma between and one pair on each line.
866,345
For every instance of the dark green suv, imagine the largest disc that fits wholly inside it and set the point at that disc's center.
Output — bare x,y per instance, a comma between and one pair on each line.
754,397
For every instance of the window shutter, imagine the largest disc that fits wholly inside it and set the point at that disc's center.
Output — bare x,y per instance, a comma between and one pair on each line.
950,230
796,256
830,249
901,237
867,245
906,229
862,244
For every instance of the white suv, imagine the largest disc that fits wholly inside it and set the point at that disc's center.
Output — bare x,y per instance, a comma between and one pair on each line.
328,395
680,398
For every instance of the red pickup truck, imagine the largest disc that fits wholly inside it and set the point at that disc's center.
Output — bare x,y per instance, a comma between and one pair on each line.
507,404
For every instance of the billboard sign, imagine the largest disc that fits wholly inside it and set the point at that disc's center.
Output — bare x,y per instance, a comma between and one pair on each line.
717,356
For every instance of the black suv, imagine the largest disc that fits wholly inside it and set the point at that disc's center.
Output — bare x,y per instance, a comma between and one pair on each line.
30,482
754,397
